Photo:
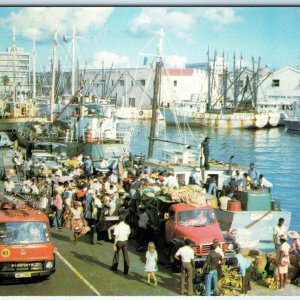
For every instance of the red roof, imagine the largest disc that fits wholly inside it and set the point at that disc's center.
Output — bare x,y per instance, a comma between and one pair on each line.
177,72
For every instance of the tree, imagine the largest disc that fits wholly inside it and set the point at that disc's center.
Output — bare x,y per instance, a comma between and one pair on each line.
5,81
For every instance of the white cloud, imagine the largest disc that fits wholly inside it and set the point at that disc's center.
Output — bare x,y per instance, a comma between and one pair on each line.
109,58
219,16
41,22
181,21
150,20
175,61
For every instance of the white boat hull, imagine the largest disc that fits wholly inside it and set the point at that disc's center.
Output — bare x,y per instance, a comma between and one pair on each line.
234,120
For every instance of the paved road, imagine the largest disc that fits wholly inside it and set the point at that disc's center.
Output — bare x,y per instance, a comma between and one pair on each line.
84,270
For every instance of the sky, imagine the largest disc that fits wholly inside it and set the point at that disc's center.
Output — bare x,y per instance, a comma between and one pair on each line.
120,35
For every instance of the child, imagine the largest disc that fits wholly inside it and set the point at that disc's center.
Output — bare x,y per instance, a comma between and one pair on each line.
151,263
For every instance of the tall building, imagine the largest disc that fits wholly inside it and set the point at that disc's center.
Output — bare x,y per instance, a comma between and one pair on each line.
22,71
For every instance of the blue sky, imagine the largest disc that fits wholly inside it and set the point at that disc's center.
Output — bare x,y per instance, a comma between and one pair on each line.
118,35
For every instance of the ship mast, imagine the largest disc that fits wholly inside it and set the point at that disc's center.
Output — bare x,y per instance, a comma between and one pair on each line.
14,68
159,64
53,78
73,61
209,84
33,72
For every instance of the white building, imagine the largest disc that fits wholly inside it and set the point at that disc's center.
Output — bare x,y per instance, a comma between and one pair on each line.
134,87
22,71
280,90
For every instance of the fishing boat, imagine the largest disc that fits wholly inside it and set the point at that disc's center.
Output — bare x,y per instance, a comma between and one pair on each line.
257,214
236,111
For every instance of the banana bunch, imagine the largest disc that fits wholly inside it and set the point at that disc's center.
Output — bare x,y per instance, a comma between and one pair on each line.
271,283
296,282
199,289
258,275
231,278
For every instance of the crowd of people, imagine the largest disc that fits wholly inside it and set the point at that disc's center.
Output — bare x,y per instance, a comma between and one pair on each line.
76,197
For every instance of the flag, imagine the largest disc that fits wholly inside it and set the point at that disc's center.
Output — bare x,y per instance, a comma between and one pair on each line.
145,61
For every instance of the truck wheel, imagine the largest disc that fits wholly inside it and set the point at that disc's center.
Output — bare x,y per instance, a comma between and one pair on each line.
175,264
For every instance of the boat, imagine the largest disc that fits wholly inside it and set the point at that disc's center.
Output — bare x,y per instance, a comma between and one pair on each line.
257,219
128,112
293,122
237,111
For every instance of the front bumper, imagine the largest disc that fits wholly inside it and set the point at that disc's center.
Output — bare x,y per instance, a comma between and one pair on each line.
26,274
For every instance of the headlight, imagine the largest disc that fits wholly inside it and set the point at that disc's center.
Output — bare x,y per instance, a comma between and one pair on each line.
49,265
230,246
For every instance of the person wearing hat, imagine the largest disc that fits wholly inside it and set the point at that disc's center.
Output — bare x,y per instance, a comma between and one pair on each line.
282,261
278,230
295,246
197,177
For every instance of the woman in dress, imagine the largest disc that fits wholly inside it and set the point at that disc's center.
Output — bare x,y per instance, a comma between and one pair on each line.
151,263
77,221
282,261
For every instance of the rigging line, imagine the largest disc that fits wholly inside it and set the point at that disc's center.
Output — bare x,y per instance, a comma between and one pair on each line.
231,84
126,147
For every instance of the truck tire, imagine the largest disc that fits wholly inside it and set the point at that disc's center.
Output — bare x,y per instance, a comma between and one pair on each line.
175,264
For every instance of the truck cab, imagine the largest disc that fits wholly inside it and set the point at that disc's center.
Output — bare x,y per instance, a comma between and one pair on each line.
198,224
25,247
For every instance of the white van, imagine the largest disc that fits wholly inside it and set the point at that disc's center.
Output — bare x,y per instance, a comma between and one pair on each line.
4,140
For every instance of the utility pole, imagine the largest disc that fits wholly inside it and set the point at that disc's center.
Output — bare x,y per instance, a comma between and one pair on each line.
33,72
157,78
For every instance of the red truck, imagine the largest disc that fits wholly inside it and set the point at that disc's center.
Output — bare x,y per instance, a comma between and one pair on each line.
171,224
25,247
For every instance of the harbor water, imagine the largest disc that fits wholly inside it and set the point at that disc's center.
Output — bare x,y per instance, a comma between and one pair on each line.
275,152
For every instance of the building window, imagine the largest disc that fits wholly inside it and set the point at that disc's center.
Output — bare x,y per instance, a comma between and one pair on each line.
121,82
131,82
142,82
275,82
131,102
175,83
112,83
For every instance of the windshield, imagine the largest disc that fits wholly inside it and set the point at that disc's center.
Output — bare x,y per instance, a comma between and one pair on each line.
197,217
23,233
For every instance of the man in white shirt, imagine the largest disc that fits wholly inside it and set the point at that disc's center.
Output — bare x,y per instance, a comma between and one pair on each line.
171,180
121,233
197,177
264,183
278,230
9,186
187,266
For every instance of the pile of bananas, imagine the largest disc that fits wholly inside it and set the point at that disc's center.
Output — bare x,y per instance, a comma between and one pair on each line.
258,275
271,283
296,282
199,289
231,278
